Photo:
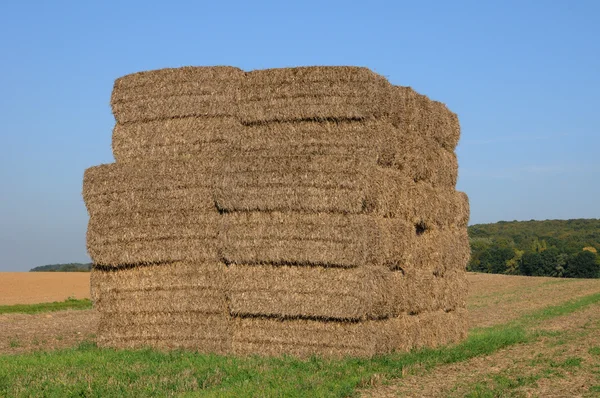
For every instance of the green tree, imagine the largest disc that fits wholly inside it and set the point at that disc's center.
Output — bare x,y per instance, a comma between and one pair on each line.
494,259
583,265
513,265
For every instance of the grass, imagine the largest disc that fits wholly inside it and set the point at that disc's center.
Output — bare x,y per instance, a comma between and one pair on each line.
90,371
68,304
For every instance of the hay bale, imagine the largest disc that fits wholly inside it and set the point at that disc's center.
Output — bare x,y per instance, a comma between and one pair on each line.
156,276
373,141
325,239
119,188
161,108
333,92
441,250
132,238
338,187
311,74
156,79
411,111
340,294
171,93
150,175
163,305
205,333
422,292
336,240
193,199
286,211
304,338
315,292
118,254
197,137
153,225
437,328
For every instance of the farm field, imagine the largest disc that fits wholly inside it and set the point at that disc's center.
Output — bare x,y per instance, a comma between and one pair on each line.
42,287
529,337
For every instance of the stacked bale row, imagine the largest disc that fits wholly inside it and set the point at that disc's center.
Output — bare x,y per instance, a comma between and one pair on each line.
303,211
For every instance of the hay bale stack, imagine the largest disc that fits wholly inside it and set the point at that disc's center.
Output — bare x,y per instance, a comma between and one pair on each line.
301,211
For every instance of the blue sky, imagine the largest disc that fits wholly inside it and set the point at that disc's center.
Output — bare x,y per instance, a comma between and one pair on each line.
522,76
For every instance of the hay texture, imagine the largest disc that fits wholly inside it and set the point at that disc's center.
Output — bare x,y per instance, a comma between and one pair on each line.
303,211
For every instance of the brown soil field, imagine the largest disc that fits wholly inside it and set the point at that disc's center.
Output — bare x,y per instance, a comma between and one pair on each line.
42,287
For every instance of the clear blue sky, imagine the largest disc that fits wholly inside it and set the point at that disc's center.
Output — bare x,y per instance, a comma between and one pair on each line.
523,77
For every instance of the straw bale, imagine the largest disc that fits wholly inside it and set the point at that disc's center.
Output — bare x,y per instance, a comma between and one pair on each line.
289,291
340,240
346,137
412,111
339,188
312,93
153,225
321,239
436,328
207,333
303,338
149,175
440,250
202,136
152,251
99,236
307,108
228,88
391,195
165,77
156,276
199,200
375,142
185,299
306,74
422,292
160,108
149,186
340,294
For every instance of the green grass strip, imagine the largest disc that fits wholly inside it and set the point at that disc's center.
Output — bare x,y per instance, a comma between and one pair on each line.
68,304
565,308
93,372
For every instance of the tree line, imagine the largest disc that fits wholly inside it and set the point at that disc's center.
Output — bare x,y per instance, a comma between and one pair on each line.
559,248
70,267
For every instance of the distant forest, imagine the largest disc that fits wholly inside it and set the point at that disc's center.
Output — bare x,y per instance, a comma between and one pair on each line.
70,267
560,248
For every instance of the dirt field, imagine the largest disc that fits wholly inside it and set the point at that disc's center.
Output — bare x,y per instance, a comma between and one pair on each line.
42,287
